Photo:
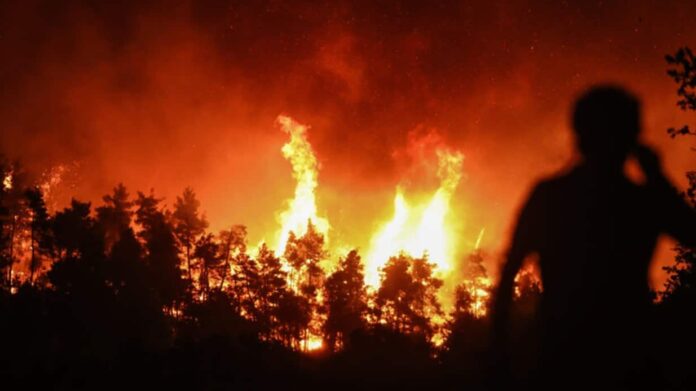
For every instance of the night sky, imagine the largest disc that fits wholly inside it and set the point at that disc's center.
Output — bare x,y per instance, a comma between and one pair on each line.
169,94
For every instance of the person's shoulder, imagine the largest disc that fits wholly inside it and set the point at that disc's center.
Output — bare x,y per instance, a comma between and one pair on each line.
553,183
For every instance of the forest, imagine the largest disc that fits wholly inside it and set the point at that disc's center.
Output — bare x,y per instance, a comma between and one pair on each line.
129,292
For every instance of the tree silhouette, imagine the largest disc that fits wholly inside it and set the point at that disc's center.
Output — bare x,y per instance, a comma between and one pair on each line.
114,217
233,246
681,284
407,297
207,251
683,71
5,237
40,238
465,351
346,301
678,297
162,253
74,231
304,255
475,290
268,290
15,217
292,315
126,267
246,279
189,224
81,265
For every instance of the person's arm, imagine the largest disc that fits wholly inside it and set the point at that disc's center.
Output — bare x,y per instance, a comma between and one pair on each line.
522,244
677,218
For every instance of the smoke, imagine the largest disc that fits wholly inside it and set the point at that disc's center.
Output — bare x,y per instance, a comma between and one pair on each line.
163,95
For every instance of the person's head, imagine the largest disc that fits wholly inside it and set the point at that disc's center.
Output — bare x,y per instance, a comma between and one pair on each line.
606,121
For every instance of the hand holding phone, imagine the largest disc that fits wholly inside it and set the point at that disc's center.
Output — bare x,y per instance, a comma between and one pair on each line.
649,162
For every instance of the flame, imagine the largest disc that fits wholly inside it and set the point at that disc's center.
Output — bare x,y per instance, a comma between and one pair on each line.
302,208
7,181
312,343
480,290
422,229
50,180
479,238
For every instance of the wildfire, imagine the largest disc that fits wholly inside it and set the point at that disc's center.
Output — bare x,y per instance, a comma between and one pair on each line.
480,288
302,208
416,228
479,238
312,344
7,181
420,229
50,180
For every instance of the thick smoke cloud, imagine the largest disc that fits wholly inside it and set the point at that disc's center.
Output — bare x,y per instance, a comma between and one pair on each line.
165,95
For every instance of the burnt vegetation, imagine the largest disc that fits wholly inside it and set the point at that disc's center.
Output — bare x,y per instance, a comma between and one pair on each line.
132,291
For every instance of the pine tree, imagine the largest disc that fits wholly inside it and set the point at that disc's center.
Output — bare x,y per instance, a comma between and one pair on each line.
346,301
41,239
189,224
162,253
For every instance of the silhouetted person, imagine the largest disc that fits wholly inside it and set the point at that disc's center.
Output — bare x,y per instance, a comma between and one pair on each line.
594,232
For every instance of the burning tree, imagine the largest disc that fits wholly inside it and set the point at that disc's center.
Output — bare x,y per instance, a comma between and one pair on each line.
189,224
346,301
207,252
15,219
407,297
472,295
233,247
40,235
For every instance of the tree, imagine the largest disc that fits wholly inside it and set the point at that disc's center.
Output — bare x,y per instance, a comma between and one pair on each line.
683,71
75,232
114,217
14,215
681,283
293,315
268,290
475,290
245,281
80,268
207,250
233,247
5,222
407,297
465,351
162,254
680,286
304,255
280,313
346,301
41,239
188,224
126,268
678,297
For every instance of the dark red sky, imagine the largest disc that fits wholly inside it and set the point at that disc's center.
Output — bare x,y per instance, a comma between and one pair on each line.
165,95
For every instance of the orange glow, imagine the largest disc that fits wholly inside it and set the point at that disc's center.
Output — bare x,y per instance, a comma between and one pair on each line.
186,98
7,181
422,228
479,238
312,344
50,182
